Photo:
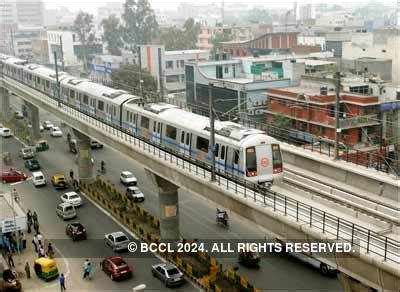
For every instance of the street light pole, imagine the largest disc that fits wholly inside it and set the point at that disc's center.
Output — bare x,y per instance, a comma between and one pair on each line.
212,130
337,118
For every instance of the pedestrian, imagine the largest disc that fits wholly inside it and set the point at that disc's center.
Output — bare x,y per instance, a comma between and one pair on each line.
62,282
35,217
50,251
88,271
27,270
71,174
41,252
36,226
29,221
40,238
10,260
85,265
35,242
23,240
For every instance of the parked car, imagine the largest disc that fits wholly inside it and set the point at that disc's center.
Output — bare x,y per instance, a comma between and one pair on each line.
59,181
73,198
168,273
116,268
5,132
18,115
55,132
38,179
66,211
116,240
12,175
76,231
32,164
27,152
135,194
95,145
47,125
127,178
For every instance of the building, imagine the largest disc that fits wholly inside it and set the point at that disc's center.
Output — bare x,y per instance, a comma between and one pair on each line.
168,67
238,33
30,12
239,85
311,109
368,66
265,44
306,12
102,67
311,40
339,19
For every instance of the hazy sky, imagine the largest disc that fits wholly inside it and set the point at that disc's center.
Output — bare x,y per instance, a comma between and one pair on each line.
91,5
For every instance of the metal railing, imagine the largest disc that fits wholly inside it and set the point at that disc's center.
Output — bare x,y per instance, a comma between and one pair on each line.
367,240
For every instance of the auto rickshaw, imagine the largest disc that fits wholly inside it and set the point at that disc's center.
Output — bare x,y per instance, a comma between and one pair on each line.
249,259
46,268
42,145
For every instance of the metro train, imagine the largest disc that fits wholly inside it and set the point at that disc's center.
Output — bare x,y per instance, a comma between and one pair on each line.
244,152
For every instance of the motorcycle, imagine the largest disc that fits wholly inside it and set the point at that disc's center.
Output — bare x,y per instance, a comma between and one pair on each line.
222,218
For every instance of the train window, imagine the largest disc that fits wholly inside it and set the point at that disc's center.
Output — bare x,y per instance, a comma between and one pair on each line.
100,105
223,152
135,119
128,116
183,137
187,139
85,99
159,128
170,132
216,150
71,93
235,157
144,122
154,126
202,144
251,160
47,83
30,77
114,111
37,80
276,155
79,96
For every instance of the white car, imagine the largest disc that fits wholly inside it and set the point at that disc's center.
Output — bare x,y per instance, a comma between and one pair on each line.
135,194
72,198
127,178
5,132
38,179
19,115
116,240
56,132
47,125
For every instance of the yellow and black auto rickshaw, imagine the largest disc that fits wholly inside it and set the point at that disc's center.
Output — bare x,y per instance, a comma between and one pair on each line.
46,268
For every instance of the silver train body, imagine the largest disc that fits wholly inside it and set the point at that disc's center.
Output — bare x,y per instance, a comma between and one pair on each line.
244,152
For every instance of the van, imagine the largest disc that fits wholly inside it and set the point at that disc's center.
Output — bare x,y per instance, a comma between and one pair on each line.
5,132
27,153
66,211
38,179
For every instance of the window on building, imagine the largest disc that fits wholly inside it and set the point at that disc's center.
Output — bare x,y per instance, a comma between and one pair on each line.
144,122
177,63
170,132
169,65
226,70
202,144
172,78
182,63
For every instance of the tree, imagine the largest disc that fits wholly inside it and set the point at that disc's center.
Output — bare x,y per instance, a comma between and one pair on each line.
139,23
127,78
257,15
174,38
218,38
83,26
112,35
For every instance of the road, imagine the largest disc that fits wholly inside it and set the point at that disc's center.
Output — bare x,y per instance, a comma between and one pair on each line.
197,220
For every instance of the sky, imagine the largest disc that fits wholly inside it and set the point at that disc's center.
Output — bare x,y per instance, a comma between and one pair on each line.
92,5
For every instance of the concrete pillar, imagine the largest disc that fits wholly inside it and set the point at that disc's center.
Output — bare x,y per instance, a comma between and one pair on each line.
33,115
169,207
5,103
85,165
351,285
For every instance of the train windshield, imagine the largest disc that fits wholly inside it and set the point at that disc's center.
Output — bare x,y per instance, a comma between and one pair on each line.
251,161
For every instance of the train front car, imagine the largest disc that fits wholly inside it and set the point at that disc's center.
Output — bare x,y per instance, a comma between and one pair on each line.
262,159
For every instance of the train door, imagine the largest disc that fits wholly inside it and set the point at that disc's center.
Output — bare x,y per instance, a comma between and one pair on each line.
264,160
221,161
184,142
157,132
235,162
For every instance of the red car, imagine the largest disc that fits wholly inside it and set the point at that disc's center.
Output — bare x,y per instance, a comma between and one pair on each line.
12,175
116,268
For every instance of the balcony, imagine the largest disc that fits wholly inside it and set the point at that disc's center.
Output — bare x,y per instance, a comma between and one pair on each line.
359,121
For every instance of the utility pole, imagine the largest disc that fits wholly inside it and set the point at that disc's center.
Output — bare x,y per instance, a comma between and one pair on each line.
140,70
212,131
57,80
337,118
62,54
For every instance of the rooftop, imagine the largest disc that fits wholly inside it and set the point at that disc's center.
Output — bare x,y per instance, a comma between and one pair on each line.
181,52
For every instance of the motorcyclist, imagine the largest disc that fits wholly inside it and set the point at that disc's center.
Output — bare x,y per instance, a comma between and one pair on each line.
69,137
102,166
222,216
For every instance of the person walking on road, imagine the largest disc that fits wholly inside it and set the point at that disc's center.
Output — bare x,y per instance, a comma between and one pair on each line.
35,242
85,266
10,260
40,238
36,226
41,252
62,282
27,270
35,217
71,174
88,271
50,251
29,220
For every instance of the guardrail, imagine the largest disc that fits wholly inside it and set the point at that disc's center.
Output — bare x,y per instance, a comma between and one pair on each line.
368,241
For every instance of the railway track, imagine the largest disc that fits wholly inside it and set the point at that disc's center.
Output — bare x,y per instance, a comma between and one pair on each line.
356,201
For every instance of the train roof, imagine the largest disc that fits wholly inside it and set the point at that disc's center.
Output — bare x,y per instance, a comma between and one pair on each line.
14,60
45,72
